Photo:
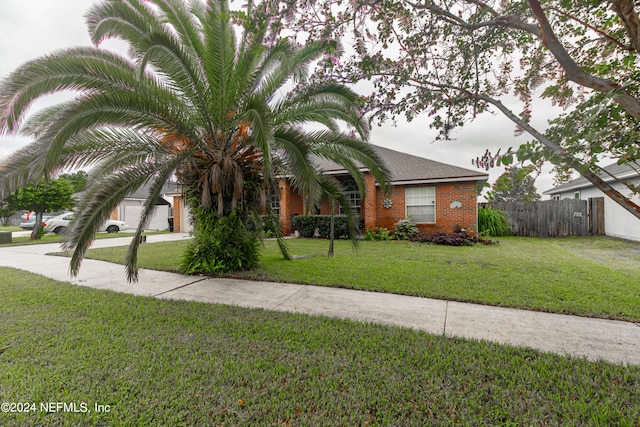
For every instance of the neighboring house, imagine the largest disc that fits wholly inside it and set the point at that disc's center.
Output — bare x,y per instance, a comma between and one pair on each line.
617,221
437,196
130,208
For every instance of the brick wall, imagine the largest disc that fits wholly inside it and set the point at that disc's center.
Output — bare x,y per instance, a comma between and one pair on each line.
376,215
447,217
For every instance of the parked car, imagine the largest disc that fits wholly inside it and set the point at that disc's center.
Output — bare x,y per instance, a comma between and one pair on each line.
31,222
60,224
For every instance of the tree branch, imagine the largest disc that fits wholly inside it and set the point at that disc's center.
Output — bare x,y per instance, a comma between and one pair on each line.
627,13
574,163
574,72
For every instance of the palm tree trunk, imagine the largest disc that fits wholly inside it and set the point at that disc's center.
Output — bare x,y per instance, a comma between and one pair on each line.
332,230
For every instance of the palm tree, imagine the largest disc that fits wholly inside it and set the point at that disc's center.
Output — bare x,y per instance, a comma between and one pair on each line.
196,98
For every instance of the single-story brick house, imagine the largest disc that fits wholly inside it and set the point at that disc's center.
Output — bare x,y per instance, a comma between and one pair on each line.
437,196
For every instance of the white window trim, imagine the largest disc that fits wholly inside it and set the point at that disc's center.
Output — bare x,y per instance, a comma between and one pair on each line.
352,194
434,204
275,203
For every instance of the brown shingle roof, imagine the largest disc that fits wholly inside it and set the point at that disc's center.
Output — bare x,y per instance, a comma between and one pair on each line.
406,168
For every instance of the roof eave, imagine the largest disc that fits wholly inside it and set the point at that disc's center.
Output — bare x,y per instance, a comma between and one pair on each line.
585,184
440,180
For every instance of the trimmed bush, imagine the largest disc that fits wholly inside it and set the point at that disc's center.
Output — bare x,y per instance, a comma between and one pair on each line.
305,224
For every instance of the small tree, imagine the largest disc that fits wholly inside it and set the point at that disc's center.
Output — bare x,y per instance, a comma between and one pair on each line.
45,196
6,211
515,185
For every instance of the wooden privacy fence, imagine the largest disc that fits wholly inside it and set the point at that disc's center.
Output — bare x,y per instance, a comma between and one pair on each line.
555,218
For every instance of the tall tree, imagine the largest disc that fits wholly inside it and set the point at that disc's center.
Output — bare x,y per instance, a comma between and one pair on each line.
196,96
516,184
77,179
45,196
458,59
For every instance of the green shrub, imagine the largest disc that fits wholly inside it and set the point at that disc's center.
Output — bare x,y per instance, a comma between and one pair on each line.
493,222
405,229
220,245
378,233
305,224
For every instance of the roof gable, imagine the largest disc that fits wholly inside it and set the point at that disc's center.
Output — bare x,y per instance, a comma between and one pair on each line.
406,168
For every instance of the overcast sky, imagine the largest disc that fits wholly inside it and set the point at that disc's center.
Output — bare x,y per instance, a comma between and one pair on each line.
33,28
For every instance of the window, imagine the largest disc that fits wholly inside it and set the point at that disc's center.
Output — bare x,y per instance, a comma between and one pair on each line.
421,203
576,195
353,195
555,197
275,204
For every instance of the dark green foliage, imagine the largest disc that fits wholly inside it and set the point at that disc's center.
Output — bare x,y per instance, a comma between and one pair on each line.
45,196
306,224
78,180
220,244
493,222
404,229
516,184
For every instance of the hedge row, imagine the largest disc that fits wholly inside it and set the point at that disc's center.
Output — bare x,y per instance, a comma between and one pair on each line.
305,224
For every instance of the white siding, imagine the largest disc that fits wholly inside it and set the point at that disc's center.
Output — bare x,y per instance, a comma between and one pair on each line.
617,221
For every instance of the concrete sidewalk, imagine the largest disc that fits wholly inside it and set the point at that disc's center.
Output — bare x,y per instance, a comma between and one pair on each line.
595,339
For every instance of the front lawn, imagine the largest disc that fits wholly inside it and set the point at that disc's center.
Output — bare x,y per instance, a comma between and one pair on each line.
178,363
54,238
584,276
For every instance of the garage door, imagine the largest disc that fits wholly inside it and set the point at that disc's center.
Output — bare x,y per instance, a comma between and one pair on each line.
158,220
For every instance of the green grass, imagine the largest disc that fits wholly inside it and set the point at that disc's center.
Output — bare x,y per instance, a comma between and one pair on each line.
54,238
584,276
10,228
179,363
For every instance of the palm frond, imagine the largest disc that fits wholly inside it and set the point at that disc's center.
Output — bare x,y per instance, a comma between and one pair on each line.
100,199
160,176
21,168
129,21
85,70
